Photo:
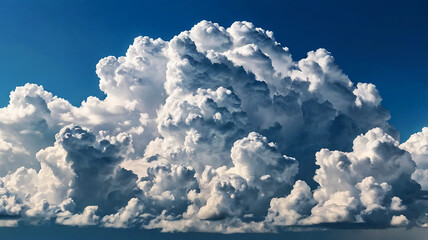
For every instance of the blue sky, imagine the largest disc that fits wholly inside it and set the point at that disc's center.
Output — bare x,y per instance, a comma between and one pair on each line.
57,44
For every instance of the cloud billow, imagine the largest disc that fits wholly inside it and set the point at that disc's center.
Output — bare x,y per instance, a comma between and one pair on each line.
216,130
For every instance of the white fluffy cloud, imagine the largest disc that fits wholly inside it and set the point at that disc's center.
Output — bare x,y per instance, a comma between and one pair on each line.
126,216
209,132
417,146
291,209
366,184
86,218
399,221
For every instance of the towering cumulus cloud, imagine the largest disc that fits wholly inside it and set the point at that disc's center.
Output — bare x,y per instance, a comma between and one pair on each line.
217,130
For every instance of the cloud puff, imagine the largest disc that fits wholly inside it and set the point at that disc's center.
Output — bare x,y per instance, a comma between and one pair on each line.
126,216
399,221
291,209
366,185
417,146
86,218
363,183
209,132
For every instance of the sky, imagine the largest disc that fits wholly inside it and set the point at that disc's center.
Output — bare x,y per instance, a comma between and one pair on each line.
59,45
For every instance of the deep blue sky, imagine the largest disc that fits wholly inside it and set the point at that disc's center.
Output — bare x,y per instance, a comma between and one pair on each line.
57,43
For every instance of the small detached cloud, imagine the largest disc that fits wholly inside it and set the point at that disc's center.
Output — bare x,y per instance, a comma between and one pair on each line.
215,130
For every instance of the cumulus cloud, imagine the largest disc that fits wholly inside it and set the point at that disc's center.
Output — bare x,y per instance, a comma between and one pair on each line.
126,216
417,146
218,130
399,221
360,185
86,218
291,209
